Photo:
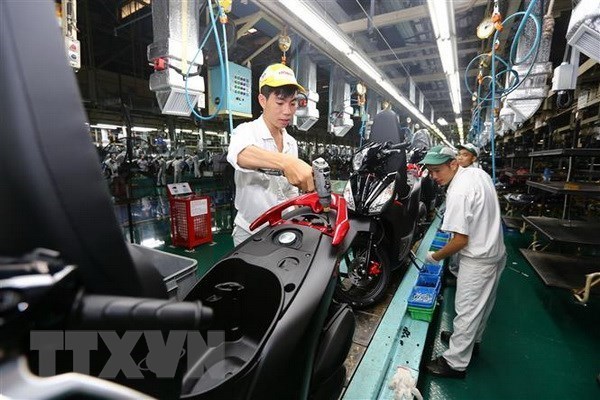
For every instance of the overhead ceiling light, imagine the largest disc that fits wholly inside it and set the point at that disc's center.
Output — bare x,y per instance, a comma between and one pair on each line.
307,15
251,30
444,28
325,31
442,121
461,132
142,129
105,126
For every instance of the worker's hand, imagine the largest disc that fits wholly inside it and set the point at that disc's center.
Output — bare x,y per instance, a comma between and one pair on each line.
429,258
299,174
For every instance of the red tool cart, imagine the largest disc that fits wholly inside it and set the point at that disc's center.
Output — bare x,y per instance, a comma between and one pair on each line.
190,216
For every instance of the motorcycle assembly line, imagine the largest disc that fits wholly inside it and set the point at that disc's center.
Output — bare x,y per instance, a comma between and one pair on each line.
272,297
261,323
390,201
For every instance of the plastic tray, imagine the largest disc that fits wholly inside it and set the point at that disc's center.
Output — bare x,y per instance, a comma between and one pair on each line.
423,297
429,280
437,244
433,269
422,314
442,236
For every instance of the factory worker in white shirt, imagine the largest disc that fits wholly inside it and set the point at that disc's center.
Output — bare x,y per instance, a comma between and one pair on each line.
473,216
265,144
468,155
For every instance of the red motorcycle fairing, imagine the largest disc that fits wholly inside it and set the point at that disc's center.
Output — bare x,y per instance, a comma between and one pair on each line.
338,231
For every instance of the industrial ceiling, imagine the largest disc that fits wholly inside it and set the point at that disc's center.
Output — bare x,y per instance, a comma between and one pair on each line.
395,35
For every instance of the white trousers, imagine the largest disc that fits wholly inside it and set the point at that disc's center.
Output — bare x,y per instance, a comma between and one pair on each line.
476,287
239,235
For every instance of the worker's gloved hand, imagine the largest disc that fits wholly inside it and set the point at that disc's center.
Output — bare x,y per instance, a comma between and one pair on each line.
299,174
429,258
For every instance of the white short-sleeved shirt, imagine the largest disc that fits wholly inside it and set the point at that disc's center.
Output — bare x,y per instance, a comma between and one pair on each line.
472,209
256,192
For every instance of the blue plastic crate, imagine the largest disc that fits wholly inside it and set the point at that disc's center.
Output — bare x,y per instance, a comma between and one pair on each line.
437,244
442,235
423,297
433,269
429,280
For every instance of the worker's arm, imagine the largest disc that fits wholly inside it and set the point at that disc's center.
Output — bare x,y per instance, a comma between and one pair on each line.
297,172
456,244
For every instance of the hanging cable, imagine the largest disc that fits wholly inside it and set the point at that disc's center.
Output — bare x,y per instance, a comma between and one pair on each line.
220,53
223,20
495,90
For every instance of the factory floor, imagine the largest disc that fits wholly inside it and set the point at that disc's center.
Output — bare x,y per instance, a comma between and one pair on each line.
539,343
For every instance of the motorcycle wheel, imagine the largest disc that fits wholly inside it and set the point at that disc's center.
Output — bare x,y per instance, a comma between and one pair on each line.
359,285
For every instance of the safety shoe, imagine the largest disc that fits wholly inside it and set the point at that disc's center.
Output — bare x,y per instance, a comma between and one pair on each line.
439,367
445,338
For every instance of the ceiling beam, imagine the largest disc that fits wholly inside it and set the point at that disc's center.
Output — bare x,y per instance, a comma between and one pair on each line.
425,57
417,47
247,23
260,50
395,17
436,76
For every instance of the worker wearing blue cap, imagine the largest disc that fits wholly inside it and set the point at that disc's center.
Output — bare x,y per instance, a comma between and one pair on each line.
473,216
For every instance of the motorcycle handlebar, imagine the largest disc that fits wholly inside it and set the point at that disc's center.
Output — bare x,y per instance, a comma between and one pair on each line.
394,148
116,312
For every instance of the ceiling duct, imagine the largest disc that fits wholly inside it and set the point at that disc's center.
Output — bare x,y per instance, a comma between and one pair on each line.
307,113
523,102
340,110
583,32
175,28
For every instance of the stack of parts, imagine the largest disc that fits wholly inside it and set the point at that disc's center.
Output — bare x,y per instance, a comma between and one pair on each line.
422,300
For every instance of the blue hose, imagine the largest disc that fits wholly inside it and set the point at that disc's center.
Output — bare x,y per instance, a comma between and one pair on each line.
220,53
494,92
228,85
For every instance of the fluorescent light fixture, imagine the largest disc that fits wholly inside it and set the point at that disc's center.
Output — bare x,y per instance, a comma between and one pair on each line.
461,132
363,64
444,28
142,129
440,17
442,121
251,30
105,126
304,12
183,130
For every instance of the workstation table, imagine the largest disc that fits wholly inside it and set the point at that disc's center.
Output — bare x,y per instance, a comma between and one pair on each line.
566,231
563,270
561,187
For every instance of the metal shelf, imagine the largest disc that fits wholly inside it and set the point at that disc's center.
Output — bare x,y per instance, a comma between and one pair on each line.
558,187
561,270
512,222
575,152
566,231
511,173
590,103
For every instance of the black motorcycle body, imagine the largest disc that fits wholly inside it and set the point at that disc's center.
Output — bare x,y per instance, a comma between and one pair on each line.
284,336
384,202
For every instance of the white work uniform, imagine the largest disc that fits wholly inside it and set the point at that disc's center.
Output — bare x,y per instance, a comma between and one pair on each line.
256,192
472,209
453,264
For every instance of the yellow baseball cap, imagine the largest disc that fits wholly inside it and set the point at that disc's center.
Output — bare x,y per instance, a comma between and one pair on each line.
276,75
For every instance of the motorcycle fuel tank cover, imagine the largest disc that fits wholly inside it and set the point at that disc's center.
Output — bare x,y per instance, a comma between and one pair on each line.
287,238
